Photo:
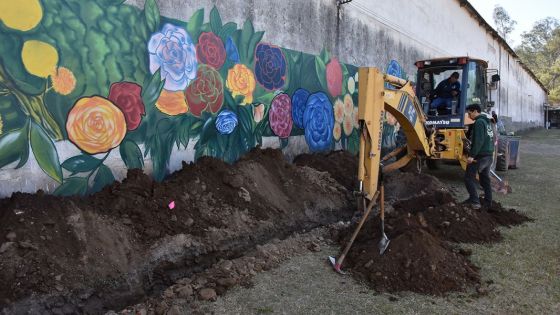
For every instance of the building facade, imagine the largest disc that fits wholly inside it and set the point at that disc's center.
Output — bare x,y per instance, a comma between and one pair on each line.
92,88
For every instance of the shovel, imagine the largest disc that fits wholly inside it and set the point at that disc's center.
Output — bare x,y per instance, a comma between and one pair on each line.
384,241
501,185
337,263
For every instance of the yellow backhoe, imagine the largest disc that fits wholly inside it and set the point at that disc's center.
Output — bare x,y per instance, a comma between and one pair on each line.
431,134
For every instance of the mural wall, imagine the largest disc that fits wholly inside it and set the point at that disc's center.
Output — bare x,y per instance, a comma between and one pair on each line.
109,77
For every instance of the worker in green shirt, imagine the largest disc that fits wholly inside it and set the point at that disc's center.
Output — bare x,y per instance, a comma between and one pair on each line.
480,158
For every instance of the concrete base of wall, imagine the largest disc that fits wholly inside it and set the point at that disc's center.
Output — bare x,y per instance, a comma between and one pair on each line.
516,126
31,177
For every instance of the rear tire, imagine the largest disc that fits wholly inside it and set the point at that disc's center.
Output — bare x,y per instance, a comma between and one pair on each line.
502,161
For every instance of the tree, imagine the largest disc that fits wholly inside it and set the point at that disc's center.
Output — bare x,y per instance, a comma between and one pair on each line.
503,21
540,51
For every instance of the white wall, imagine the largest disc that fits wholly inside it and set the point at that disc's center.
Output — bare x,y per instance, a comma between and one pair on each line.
371,33
363,33
438,28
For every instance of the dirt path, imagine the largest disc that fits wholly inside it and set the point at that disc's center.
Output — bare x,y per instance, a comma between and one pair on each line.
521,274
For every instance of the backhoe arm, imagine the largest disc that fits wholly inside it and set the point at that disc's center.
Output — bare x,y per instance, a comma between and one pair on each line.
374,100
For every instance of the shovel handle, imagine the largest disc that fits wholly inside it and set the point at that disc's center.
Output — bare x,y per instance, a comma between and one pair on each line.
382,202
356,231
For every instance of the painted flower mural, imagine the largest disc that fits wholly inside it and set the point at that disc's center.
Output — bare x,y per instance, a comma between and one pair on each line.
206,91
339,110
258,112
172,51
351,85
231,50
280,115
226,121
319,122
172,103
22,15
39,58
337,132
299,100
210,50
348,125
270,66
394,68
63,81
95,125
127,97
240,81
196,85
334,77
356,118
348,105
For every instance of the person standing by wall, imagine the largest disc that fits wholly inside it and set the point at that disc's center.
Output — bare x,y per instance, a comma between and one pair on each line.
480,158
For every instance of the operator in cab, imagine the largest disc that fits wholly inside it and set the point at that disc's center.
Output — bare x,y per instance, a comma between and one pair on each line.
444,93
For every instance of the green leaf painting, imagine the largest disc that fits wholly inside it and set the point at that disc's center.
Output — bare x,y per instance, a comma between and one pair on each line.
320,69
151,13
72,186
81,163
45,152
103,178
215,21
131,154
152,88
113,81
195,24
14,146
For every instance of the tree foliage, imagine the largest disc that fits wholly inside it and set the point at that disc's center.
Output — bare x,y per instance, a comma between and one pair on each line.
504,23
540,51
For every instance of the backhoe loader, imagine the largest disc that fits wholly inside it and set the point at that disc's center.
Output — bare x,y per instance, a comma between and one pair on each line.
430,134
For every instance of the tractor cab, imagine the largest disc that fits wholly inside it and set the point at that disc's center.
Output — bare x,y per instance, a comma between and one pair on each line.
446,86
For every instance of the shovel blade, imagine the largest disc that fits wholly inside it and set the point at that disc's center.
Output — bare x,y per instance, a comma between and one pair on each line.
383,244
501,187
335,265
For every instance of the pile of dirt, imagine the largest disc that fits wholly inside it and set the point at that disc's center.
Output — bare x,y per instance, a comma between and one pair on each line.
106,251
405,185
439,214
414,261
342,165
421,256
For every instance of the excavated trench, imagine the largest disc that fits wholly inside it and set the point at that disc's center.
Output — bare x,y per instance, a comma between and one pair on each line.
124,245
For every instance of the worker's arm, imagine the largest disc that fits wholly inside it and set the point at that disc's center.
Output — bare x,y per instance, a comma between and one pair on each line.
456,90
438,90
477,138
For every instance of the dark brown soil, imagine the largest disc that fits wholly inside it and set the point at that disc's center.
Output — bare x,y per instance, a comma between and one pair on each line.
414,261
419,257
425,219
506,217
405,185
443,218
124,243
342,165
